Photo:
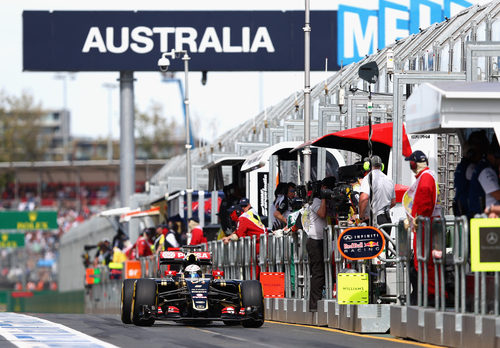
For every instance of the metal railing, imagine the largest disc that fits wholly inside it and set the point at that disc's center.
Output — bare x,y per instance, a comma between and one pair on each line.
456,288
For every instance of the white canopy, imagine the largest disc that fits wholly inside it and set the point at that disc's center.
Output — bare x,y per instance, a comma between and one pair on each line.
442,107
259,159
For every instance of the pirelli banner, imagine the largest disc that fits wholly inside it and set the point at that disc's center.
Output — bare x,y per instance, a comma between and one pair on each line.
215,40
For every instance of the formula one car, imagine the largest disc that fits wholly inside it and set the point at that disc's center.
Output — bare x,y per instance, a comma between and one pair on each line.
190,295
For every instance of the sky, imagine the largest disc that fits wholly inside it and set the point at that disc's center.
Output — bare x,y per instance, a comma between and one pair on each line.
227,100
213,106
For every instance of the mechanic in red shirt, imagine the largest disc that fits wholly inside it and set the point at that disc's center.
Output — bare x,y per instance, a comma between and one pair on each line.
197,236
422,199
143,245
249,224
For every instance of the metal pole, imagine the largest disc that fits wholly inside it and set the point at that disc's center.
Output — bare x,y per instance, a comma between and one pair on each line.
307,95
66,116
189,189
110,87
127,146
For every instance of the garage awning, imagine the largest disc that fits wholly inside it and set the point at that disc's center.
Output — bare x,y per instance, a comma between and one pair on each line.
139,213
356,140
442,107
225,161
259,159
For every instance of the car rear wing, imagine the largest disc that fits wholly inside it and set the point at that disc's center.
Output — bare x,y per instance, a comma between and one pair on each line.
179,257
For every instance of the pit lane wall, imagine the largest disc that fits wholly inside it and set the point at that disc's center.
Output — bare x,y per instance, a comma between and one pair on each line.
42,301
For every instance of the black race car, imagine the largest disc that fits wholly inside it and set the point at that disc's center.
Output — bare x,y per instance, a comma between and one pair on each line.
191,294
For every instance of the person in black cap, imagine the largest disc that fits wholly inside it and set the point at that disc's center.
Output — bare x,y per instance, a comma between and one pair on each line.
484,190
422,199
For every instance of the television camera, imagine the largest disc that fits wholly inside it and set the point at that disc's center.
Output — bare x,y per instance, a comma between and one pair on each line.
85,256
339,194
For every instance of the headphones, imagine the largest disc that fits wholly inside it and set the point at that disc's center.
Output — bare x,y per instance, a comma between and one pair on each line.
413,164
367,165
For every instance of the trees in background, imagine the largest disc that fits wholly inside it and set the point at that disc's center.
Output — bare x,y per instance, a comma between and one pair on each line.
155,136
21,136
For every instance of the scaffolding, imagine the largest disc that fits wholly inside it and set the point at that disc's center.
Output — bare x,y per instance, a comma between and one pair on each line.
465,47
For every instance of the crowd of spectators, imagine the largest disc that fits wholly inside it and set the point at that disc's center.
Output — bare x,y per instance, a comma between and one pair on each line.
34,267
166,236
57,194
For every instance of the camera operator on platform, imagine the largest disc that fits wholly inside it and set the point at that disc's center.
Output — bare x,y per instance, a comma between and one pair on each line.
383,197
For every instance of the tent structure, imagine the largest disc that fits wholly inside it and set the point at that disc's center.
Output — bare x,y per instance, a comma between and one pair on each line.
356,140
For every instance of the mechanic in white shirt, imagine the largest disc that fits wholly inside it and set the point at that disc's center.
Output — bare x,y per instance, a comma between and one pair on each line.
384,195
316,223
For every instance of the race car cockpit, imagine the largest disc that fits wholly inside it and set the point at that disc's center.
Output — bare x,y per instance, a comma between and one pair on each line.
193,271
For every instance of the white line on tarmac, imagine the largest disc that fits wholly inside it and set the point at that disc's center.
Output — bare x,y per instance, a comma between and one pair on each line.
26,331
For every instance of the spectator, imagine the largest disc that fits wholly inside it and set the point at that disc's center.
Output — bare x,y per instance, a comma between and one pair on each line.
197,236
314,224
169,237
282,206
231,197
279,194
104,253
383,197
484,188
120,239
421,199
476,145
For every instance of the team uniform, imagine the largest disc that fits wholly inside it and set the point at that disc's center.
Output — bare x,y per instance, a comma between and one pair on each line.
197,236
249,224
422,199
383,194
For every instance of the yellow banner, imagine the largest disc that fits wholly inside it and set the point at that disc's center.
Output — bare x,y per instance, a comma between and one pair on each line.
352,288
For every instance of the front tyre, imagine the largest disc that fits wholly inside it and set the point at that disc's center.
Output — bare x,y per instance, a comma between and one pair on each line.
126,300
145,294
251,296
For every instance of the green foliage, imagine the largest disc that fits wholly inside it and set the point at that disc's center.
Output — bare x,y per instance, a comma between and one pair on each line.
154,134
21,129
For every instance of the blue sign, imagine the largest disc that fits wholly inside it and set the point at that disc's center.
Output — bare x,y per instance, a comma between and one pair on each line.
215,40
360,243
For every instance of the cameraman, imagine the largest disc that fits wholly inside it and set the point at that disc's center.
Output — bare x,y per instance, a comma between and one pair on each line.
314,246
383,198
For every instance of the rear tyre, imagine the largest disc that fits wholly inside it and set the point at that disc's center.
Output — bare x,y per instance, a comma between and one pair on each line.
126,301
145,293
251,296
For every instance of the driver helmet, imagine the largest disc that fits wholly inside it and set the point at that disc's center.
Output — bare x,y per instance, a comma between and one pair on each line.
192,271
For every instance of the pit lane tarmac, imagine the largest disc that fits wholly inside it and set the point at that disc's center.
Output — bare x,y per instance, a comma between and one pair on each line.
109,328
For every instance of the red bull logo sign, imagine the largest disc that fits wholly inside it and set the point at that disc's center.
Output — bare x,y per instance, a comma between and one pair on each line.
361,243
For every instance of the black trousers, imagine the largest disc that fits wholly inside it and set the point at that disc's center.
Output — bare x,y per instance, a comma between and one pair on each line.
317,268
384,218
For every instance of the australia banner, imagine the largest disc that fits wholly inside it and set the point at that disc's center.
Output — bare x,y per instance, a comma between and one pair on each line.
223,40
